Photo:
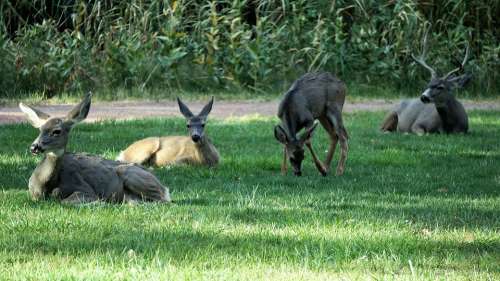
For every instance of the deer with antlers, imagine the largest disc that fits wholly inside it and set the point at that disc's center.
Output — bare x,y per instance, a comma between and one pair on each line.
437,110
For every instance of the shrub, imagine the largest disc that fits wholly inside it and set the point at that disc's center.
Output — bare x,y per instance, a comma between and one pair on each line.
70,46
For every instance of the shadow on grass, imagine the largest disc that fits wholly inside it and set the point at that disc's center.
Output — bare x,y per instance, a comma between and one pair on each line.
188,245
421,214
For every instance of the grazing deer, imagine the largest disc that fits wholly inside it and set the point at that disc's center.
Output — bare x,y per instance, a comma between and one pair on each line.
196,149
81,178
313,96
437,110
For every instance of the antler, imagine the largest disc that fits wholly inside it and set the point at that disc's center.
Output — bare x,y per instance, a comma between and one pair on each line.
421,58
461,67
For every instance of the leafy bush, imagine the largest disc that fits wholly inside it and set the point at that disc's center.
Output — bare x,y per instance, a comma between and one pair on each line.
75,45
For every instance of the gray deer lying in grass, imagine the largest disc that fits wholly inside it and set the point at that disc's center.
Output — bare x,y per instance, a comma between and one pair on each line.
437,110
82,178
196,149
313,96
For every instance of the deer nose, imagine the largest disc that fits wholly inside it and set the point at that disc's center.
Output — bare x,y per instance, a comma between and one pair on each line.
425,99
36,148
298,173
195,138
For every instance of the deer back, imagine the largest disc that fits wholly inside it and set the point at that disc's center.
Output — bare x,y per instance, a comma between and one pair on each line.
173,148
308,98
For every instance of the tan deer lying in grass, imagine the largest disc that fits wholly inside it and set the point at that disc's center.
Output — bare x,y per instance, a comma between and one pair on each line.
82,178
196,149
437,110
314,96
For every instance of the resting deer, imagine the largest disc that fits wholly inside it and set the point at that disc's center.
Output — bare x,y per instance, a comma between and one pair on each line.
314,96
82,178
437,110
196,149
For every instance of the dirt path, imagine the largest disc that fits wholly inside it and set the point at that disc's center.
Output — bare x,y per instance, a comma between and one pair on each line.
222,109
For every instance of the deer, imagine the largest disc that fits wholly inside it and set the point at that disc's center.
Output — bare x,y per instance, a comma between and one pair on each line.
437,110
80,178
195,149
314,96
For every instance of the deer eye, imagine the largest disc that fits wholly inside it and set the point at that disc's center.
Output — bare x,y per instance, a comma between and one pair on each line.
440,87
188,126
203,125
56,132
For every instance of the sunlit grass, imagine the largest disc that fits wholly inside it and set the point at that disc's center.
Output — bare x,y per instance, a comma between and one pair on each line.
408,208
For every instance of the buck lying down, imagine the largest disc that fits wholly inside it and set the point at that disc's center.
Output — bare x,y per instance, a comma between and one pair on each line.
415,116
196,149
437,110
82,178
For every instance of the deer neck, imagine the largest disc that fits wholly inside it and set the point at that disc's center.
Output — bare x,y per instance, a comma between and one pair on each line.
448,111
294,123
294,113
208,151
46,174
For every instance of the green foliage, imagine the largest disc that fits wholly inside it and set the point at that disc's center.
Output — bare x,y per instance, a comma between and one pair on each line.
407,208
70,46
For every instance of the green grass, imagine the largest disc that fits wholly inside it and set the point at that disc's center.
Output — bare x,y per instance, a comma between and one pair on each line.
407,208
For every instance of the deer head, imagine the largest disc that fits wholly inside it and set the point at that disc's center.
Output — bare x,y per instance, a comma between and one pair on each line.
294,145
439,89
196,123
54,131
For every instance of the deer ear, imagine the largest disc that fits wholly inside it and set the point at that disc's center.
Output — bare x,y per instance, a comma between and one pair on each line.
460,81
80,111
206,109
184,109
35,116
309,132
280,134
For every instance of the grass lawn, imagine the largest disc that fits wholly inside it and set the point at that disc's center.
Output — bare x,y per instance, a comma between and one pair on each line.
407,208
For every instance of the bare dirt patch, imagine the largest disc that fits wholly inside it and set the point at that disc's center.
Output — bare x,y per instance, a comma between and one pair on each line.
222,109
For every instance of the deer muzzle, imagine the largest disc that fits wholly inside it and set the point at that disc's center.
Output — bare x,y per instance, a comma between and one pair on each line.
35,149
425,97
196,138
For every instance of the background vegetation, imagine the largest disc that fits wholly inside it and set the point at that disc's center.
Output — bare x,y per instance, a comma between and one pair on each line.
50,47
407,208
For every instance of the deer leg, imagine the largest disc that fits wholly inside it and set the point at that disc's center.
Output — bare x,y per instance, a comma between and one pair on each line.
56,193
79,197
331,151
344,148
334,140
131,199
284,166
73,189
390,123
336,118
37,193
319,165
142,184
140,152
184,160
418,129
